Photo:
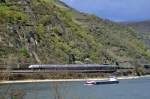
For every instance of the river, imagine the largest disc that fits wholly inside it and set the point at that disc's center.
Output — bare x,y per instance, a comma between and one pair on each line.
126,89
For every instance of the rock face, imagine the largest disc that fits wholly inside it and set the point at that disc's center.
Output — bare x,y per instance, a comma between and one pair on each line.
48,31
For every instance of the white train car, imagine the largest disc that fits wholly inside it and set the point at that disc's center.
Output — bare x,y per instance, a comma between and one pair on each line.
73,67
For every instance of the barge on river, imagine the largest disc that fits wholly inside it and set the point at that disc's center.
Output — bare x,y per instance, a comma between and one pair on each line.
111,80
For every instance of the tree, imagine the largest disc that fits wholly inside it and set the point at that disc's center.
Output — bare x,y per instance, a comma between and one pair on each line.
71,59
2,1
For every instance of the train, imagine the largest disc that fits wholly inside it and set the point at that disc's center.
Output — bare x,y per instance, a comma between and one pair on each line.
73,66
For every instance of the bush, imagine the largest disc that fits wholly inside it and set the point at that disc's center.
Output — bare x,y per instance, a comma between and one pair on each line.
10,15
139,71
24,52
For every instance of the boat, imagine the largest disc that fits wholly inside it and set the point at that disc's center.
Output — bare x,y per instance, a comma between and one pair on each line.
90,82
111,80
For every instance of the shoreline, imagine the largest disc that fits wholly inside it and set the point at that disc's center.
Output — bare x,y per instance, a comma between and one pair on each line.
67,80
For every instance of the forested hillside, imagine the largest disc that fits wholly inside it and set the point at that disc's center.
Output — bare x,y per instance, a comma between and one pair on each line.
48,31
143,27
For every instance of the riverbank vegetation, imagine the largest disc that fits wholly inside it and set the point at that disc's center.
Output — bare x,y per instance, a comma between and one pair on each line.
6,76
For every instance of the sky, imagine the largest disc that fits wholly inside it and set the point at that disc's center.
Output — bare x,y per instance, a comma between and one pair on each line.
115,10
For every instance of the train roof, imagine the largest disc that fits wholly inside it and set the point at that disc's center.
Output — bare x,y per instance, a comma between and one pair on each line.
72,65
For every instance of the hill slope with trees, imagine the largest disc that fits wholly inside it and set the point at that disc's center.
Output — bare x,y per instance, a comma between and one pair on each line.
50,32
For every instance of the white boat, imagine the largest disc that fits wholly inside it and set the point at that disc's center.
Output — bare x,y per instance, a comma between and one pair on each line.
111,80
90,82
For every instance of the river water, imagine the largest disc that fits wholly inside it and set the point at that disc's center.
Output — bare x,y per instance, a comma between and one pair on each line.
126,89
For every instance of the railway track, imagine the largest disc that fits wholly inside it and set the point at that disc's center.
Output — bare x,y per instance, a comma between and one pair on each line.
55,71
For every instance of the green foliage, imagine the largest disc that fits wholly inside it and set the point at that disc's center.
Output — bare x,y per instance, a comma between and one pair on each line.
2,52
58,32
24,53
55,29
45,20
7,14
139,71
41,31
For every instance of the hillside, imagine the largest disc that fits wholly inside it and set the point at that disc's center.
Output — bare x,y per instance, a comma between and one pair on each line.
143,27
49,32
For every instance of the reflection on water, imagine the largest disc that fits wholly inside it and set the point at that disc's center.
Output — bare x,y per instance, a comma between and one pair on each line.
53,90
17,94
126,89
8,93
